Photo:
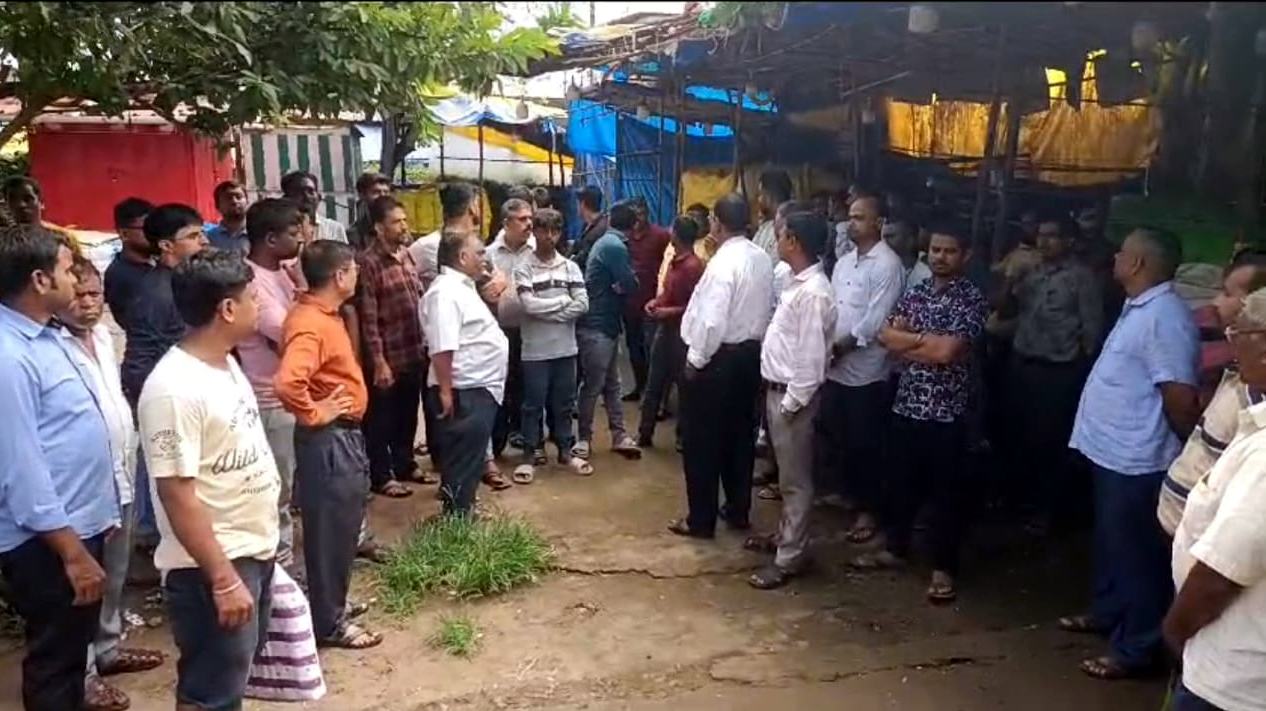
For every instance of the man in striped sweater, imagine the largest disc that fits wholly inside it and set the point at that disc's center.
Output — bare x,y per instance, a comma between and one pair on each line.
552,294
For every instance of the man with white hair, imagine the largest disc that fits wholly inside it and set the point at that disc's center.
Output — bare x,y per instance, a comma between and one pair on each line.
1219,554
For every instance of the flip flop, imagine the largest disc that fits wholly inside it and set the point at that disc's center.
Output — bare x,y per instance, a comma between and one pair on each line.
883,560
769,493
580,467
394,490
132,661
100,696
761,544
1081,624
524,474
352,636
941,592
1109,669
493,480
770,577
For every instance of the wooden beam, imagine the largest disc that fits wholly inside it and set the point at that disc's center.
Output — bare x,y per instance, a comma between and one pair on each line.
991,138
1008,178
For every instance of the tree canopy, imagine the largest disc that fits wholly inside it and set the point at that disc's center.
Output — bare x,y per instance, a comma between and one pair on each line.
224,64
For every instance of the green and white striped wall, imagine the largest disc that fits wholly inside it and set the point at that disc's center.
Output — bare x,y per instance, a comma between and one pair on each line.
331,154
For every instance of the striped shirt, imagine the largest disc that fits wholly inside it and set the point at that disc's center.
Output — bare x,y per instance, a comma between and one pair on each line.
1212,435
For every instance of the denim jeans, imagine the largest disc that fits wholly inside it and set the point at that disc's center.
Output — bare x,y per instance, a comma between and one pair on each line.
215,662
1184,700
598,359
549,385
1133,587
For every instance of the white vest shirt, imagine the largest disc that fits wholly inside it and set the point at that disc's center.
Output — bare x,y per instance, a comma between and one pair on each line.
731,303
456,320
797,345
104,369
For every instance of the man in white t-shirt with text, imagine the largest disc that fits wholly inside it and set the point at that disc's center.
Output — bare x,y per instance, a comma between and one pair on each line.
215,484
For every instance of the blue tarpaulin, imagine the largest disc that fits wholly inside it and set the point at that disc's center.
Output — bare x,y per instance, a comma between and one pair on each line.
629,157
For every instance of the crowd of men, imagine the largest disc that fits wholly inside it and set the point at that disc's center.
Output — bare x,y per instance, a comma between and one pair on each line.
276,362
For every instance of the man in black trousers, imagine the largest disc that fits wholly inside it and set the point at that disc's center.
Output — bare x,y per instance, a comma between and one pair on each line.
722,330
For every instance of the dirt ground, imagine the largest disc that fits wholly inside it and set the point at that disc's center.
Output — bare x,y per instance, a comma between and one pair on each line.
636,618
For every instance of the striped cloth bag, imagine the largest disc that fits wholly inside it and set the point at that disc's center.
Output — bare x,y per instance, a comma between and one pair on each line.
287,667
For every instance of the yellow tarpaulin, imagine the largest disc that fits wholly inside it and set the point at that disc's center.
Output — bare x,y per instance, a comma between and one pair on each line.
422,205
1093,144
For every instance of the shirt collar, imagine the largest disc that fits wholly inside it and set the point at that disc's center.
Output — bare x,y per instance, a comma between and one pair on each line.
679,256
1150,294
453,273
815,268
312,300
23,324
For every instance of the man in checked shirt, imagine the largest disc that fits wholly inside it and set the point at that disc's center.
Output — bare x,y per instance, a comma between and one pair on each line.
386,303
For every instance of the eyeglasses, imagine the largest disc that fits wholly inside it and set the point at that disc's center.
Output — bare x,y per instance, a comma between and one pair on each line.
1233,334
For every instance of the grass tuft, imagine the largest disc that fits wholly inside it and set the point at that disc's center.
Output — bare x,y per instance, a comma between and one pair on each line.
463,558
458,635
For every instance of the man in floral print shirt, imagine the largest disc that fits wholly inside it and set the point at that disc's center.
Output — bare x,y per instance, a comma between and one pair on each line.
933,329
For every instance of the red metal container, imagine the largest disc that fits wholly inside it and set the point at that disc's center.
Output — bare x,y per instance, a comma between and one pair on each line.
86,165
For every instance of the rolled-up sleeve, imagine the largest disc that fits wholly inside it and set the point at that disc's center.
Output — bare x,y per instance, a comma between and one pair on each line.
26,484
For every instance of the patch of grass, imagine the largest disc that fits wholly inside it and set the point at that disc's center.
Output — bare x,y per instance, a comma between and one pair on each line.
462,558
458,635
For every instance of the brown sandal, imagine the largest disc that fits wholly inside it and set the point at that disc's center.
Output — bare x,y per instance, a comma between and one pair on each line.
100,696
394,490
496,482
352,636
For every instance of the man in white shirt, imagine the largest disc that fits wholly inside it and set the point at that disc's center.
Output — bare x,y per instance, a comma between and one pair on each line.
1218,620
852,420
512,249
469,359
903,238
301,187
459,204
793,363
775,189
215,482
722,328
94,347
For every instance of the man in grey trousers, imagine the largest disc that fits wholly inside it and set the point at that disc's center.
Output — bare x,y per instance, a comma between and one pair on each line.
320,381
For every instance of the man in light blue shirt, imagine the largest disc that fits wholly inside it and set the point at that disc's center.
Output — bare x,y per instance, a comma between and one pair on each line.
1140,402
57,492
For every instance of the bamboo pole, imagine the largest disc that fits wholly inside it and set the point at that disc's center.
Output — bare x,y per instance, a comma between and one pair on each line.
482,222
1008,177
991,137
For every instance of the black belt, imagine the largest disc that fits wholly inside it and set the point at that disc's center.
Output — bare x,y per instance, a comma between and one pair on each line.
753,343
346,423
775,387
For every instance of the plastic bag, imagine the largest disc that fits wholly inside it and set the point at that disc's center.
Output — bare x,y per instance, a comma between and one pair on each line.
287,667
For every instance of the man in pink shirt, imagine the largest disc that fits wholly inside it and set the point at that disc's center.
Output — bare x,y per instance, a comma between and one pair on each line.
273,228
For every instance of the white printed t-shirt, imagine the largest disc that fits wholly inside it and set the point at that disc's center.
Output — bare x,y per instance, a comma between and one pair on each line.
202,422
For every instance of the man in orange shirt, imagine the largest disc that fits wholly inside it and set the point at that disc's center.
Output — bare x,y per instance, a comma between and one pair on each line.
320,381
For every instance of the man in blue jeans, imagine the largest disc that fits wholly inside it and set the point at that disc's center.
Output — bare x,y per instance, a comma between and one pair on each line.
216,484
610,280
552,292
1139,403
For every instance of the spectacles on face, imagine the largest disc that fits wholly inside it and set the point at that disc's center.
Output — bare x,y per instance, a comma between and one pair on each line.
1235,334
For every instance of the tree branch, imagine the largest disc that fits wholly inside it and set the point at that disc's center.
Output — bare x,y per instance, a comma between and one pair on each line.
28,113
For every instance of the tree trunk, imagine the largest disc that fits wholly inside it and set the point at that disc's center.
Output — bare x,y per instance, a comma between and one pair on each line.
28,113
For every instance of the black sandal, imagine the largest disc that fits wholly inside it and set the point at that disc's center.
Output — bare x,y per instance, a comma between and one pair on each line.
393,490
761,544
770,577
682,528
